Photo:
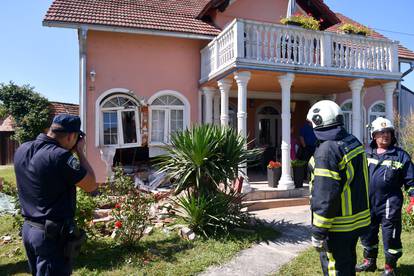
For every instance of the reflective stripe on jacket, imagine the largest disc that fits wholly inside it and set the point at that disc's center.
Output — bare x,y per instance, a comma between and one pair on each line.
339,186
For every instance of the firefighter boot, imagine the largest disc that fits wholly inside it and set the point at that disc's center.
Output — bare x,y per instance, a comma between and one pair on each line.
369,264
389,271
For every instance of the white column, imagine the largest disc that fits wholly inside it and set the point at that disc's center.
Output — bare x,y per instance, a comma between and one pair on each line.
82,34
224,85
356,87
286,182
208,104
216,108
389,88
242,79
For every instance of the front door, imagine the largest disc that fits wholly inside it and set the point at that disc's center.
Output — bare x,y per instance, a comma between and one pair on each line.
268,127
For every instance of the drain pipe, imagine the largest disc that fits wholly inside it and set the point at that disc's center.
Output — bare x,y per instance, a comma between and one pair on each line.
399,87
82,35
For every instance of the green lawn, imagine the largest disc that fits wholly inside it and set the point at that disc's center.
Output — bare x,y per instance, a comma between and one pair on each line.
157,254
7,173
308,263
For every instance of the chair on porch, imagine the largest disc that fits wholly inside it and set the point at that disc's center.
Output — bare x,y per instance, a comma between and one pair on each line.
237,184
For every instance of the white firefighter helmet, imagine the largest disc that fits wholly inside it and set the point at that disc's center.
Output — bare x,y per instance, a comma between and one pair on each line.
380,124
325,114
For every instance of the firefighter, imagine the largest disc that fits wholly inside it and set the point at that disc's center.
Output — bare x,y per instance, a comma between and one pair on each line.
390,168
339,190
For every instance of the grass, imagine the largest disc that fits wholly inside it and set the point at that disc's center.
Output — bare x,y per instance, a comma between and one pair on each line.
308,263
7,173
157,254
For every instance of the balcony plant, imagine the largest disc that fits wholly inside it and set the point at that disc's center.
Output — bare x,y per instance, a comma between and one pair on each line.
298,167
354,29
274,171
304,21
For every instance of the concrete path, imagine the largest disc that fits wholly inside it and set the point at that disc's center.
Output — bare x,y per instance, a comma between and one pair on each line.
293,223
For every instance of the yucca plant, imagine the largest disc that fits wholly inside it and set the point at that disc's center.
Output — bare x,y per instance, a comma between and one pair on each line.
212,214
201,158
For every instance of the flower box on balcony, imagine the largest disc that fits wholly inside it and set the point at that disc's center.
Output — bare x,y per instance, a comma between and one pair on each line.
354,29
304,21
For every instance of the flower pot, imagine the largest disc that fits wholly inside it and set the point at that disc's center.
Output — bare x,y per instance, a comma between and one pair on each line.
298,176
273,176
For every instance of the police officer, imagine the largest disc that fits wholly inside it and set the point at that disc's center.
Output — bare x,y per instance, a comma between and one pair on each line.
339,190
48,170
390,167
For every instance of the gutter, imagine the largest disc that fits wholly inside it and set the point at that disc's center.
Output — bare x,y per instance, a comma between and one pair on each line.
104,28
82,35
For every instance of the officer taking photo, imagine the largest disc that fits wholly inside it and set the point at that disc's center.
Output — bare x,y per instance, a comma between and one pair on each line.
48,170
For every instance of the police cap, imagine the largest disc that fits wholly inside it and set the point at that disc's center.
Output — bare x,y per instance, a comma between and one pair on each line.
66,123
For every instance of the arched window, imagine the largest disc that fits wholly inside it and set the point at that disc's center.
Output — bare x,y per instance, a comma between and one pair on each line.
376,110
119,121
347,110
169,113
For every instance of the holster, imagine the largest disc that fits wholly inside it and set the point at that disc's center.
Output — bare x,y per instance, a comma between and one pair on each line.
74,239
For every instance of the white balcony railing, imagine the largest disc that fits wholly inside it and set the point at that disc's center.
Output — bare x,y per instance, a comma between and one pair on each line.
278,45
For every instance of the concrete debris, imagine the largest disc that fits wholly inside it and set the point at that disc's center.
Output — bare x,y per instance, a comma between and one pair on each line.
187,233
148,230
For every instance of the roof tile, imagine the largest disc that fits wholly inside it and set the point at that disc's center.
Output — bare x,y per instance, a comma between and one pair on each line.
143,14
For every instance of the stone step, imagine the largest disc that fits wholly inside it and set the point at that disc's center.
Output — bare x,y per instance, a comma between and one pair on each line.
254,205
263,193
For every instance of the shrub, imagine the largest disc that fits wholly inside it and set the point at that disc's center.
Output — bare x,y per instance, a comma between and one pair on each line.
213,214
298,163
85,206
204,156
407,219
131,211
305,21
354,29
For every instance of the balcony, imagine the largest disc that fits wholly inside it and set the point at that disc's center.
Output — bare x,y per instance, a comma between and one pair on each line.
251,45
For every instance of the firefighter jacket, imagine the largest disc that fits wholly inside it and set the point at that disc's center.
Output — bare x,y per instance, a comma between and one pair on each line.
339,184
388,173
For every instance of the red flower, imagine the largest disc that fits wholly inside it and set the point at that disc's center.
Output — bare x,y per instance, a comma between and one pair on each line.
274,165
117,206
118,224
309,14
321,20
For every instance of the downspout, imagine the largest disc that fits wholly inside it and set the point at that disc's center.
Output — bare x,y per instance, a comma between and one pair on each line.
290,8
82,35
399,87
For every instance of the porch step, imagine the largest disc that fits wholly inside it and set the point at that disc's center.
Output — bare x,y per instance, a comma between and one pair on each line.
263,192
255,205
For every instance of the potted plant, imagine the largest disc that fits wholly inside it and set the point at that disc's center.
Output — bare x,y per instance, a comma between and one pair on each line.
298,167
274,171
304,21
354,29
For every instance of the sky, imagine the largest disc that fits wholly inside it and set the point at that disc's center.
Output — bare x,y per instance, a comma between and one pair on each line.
47,58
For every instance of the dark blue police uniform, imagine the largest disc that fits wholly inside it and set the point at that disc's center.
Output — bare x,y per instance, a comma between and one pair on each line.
46,175
388,173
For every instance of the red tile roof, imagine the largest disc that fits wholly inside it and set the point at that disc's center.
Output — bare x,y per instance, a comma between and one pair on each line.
402,51
58,108
7,125
163,15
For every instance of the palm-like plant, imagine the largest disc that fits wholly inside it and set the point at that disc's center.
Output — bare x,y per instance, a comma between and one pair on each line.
202,157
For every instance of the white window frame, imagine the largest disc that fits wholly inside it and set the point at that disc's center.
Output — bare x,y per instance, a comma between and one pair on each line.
167,109
363,117
120,132
377,114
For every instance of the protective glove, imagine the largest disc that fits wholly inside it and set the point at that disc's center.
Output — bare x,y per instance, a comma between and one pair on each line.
319,244
410,205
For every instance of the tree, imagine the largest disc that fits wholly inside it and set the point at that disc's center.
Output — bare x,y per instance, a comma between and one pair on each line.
29,110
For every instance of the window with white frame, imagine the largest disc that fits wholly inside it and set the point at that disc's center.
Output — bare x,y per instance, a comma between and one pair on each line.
168,114
347,111
120,121
376,110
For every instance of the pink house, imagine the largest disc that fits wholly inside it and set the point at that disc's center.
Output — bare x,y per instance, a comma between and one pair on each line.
149,68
